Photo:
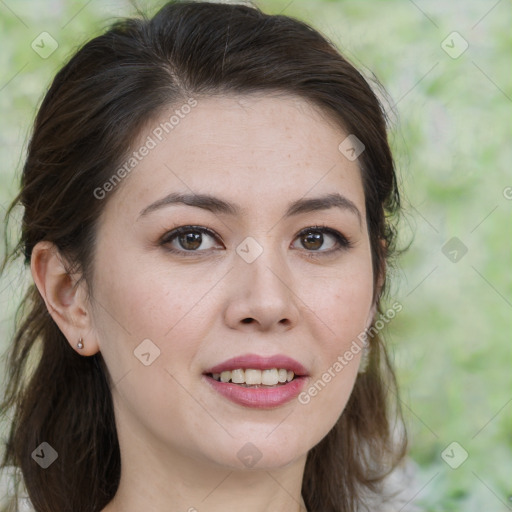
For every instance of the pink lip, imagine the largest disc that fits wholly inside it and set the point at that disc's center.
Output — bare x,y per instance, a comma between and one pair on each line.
258,398
259,363
264,397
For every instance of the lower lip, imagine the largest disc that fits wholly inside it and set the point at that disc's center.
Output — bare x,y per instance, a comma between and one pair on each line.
259,398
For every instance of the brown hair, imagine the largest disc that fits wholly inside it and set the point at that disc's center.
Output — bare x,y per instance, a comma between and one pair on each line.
94,110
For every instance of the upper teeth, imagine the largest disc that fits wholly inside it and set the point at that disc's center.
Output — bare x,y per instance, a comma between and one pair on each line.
250,376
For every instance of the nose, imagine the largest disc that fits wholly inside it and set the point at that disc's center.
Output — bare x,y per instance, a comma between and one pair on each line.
262,295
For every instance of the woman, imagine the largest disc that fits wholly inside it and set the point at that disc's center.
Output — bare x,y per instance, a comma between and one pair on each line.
207,201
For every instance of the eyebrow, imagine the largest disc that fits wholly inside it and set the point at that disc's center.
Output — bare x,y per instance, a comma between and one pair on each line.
220,206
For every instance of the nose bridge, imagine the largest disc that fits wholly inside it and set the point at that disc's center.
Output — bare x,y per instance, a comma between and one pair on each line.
264,293
261,261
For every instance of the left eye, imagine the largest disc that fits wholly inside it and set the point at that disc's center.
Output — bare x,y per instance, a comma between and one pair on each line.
313,239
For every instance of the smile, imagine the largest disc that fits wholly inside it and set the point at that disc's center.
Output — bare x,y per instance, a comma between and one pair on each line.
256,381
254,377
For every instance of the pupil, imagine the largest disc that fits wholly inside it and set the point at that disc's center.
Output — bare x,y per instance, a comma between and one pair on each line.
191,240
315,239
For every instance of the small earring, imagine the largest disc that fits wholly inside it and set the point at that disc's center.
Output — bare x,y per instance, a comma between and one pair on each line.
80,344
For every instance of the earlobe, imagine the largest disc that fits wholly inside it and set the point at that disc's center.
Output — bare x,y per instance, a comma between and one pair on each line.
379,284
377,292
371,315
64,299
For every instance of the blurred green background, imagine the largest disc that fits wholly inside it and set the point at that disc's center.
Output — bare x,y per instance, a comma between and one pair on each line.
446,67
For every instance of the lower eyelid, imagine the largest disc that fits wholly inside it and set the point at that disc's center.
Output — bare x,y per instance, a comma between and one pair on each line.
341,241
173,235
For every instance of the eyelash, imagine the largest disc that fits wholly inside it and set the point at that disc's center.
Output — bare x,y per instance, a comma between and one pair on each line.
343,242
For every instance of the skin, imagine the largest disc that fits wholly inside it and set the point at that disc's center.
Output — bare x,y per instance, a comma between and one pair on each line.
179,438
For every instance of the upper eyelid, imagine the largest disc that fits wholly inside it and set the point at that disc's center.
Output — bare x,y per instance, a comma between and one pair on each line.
175,231
203,229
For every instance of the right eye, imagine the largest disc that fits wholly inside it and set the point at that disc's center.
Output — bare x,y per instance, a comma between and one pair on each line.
187,239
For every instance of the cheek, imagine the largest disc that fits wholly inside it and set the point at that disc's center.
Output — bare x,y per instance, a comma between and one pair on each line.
342,305
341,312
139,302
137,298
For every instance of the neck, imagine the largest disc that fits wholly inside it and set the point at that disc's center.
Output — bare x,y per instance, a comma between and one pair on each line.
175,483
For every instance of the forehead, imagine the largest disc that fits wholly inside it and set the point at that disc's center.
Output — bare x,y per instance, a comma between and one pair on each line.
259,149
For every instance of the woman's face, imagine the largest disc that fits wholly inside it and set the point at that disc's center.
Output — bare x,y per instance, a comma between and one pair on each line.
254,278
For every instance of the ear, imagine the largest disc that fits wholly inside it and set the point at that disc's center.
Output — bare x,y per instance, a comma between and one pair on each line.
64,298
378,286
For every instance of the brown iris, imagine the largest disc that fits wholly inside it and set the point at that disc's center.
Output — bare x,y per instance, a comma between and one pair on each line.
191,240
312,240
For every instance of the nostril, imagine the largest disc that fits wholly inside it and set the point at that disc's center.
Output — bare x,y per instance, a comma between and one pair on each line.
247,320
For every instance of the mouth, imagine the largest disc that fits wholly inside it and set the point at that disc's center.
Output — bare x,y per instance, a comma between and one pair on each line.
258,382
255,378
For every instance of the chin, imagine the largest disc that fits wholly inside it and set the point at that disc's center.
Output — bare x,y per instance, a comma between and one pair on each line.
261,451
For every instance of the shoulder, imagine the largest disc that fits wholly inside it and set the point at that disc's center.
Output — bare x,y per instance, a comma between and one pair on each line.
10,478
398,490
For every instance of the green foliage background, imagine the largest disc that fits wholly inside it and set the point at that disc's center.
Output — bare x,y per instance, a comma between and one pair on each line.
451,135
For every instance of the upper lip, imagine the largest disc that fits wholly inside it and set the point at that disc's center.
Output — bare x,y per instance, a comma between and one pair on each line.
256,362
